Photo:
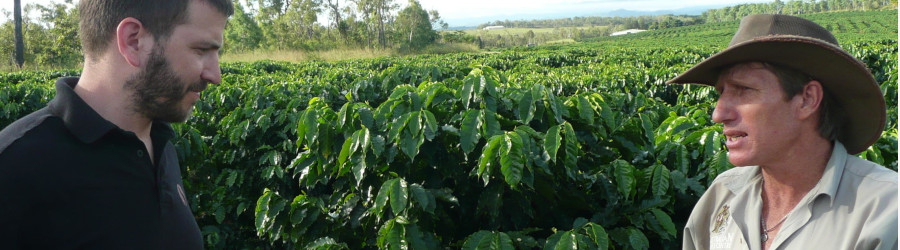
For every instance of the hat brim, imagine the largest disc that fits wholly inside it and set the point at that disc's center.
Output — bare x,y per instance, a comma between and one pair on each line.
847,80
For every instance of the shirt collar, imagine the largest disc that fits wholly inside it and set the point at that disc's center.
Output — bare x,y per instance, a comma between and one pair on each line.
834,170
85,123
827,185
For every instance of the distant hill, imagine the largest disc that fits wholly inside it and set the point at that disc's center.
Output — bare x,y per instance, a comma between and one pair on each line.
696,11
847,26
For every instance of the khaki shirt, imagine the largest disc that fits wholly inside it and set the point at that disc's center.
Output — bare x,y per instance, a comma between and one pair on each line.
854,206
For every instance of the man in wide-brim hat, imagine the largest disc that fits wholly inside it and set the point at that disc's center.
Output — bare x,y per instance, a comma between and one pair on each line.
794,108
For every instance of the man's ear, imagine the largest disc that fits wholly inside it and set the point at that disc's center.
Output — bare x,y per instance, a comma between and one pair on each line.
810,99
133,41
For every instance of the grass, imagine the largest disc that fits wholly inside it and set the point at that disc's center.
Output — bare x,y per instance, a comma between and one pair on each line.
341,54
561,41
11,67
522,31
298,55
292,56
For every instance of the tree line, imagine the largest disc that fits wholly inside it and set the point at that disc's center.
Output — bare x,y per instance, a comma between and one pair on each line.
294,25
796,7
49,32
617,23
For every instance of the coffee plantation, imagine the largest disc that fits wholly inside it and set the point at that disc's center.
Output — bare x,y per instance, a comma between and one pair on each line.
578,146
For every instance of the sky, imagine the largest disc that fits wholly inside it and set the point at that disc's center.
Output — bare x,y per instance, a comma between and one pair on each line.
475,12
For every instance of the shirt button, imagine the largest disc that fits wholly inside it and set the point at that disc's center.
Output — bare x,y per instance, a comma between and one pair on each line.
140,154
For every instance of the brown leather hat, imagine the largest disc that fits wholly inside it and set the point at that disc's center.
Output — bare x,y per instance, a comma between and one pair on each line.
803,45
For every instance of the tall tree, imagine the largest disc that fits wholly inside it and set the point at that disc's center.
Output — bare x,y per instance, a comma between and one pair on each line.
242,33
436,20
20,44
414,26
63,46
366,9
379,13
335,8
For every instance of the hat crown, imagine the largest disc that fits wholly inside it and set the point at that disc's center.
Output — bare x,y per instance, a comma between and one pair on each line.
768,25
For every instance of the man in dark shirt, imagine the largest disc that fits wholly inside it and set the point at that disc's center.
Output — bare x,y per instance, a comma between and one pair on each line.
95,168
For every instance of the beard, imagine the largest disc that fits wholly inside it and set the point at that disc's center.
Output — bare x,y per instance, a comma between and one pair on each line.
157,92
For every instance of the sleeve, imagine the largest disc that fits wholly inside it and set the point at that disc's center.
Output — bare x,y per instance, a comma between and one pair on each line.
880,231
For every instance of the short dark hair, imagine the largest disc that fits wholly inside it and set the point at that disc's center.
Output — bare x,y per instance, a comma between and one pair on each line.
792,82
99,18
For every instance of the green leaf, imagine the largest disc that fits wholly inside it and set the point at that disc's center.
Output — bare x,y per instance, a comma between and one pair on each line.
665,221
377,145
511,161
579,223
598,235
661,177
262,210
275,209
490,125
344,115
298,207
567,242
391,235
310,125
399,196
585,110
572,148
501,241
682,158
359,159
469,131
431,126
488,240
553,240
220,214
552,142
396,127
384,194
414,124
425,199
526,107
465,92
488,154
344,156
241,208
325,243
410,143
711,142
557,107
648,121
415,237
718,164
607,115
625,177
473,240
232,176
637,239
366,117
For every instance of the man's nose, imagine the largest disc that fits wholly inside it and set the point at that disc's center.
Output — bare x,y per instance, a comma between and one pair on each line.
211,71
722,112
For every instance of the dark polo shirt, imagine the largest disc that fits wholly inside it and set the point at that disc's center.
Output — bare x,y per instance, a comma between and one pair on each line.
70,179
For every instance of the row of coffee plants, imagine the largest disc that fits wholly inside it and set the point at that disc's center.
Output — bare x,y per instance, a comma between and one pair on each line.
574,147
